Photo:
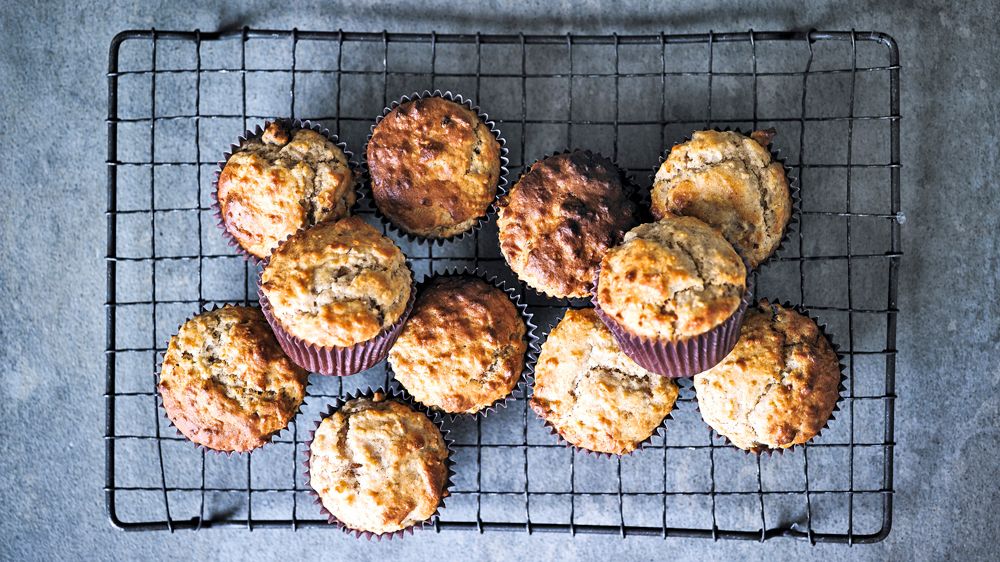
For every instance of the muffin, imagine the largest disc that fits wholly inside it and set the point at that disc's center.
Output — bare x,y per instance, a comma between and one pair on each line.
225,383
463,347
779,385
336,285
434,167
592,394
731,182
378,466
279,181
560,218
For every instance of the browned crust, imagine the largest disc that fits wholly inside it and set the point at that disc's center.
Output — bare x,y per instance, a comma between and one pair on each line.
226,384
434,167
560,218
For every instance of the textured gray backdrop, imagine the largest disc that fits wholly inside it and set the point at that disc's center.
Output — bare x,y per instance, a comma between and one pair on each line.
53,61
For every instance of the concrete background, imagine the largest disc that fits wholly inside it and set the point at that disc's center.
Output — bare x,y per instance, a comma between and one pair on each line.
52,239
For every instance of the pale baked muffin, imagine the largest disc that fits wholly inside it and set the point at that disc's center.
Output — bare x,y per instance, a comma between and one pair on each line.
592,393
462,347
275,184
731,182
779,385
337,284
226,384
434,167
671,279
378,465
560,218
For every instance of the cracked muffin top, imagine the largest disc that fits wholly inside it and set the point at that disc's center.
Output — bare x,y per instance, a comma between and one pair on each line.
560,218
226,384
592,393
280,182
378,465
434,167
337,283
671,279
779,385
462,347
729,181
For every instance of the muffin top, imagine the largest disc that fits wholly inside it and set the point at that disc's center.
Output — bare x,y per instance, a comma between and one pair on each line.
280,182
462,347
729,181
337,283
378,465
560,218
226,384
671,279
434,167
592,393
779,385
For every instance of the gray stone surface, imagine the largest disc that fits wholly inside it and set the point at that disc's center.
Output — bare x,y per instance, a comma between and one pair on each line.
52,245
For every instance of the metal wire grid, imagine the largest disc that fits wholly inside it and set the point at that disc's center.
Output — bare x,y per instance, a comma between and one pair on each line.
512,475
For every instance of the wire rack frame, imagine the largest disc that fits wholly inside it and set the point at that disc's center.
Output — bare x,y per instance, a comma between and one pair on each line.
802,525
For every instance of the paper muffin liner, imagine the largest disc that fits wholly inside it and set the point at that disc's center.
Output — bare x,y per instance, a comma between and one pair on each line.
170,422
683,357
501,188
332,360
398,396
632,192
530,354
293,125
794,188
841,388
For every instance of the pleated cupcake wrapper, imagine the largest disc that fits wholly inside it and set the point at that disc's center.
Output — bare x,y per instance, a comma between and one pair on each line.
684,357
530,354
794,188
501,188
170,422
398,396
292,125
841,388
632,191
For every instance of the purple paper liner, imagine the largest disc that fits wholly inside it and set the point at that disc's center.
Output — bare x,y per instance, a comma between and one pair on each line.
435,418
501,188
170,422
291,125
683,357
841,388
632,192
530,354
794,188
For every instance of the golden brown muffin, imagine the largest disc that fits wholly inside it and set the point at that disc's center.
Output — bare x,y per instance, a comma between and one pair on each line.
777,388
337,283
378,465
278,183
434,167
671,279
560,218
462,347
592,393
226,384
729,181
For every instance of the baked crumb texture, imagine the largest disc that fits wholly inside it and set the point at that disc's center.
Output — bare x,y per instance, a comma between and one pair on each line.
286,177
225,383
592,394
730,181
434,166
778,387
378,466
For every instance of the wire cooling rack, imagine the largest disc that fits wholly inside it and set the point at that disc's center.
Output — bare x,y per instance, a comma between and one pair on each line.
176,100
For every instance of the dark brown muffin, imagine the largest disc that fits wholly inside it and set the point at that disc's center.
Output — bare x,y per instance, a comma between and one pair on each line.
559,220
434,167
